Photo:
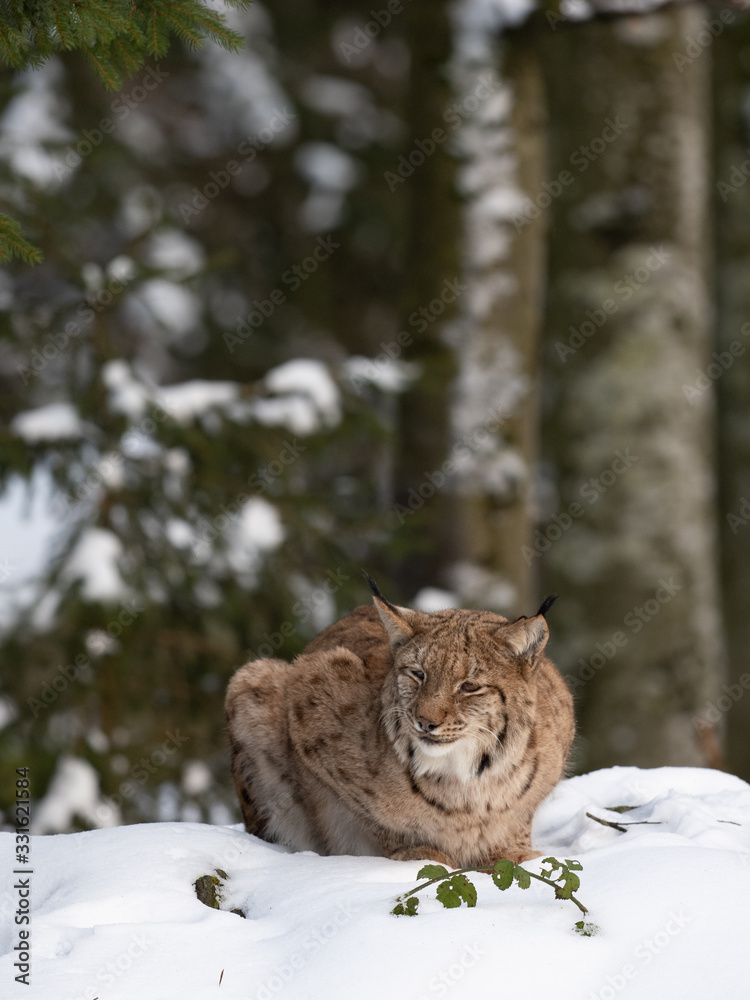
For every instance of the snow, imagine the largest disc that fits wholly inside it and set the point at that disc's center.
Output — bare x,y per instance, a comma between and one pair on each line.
33,118
179,533
30,525
127,395
171,306
254,530
94,561
114,911
434,599
241,89
53,422
175,252
330,172
385,373
581,10
326,166
73,791
475,22
303,397
8,712
312,398
188,400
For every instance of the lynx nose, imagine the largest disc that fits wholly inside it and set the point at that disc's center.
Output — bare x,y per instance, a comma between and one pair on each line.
427,725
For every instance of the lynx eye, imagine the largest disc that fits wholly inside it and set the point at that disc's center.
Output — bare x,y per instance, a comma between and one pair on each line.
418,675
469,688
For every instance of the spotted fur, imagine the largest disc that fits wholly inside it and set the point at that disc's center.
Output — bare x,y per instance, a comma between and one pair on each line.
403,734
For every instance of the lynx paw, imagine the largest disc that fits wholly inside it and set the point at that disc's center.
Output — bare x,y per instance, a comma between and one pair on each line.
422,853
518,854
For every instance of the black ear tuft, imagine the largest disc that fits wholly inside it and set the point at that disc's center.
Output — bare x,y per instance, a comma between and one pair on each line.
376,589
547,604
373,586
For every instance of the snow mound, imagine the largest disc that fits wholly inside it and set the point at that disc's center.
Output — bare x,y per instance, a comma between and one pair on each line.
115,913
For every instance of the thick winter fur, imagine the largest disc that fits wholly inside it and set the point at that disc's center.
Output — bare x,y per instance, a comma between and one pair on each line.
402,734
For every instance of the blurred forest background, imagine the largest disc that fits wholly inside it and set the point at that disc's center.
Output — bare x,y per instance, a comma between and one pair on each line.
455,292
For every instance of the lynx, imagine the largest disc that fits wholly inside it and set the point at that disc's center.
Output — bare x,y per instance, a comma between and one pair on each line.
403,734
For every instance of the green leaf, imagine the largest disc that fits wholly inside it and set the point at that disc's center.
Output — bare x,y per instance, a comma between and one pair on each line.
554,865
454,890
621,809
466,890
408,910
503,873
522,877
448,895
570,881
432,871
586,929
574,866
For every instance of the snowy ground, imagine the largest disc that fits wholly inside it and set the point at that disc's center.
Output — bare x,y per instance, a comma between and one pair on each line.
115,913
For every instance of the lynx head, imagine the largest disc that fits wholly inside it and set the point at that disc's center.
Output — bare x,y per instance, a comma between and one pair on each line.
462,690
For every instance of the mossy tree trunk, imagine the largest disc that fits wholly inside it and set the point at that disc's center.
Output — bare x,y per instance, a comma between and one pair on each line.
627,536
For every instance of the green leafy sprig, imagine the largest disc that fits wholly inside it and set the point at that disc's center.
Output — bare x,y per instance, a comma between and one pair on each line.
455,888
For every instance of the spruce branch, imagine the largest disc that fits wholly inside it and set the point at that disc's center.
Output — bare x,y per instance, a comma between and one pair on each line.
14,245
117,36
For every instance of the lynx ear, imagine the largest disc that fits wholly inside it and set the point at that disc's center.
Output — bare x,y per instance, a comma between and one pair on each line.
527,637
396,621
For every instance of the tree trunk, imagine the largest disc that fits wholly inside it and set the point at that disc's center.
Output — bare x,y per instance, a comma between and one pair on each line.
628,530
495,411
422,512
731,376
